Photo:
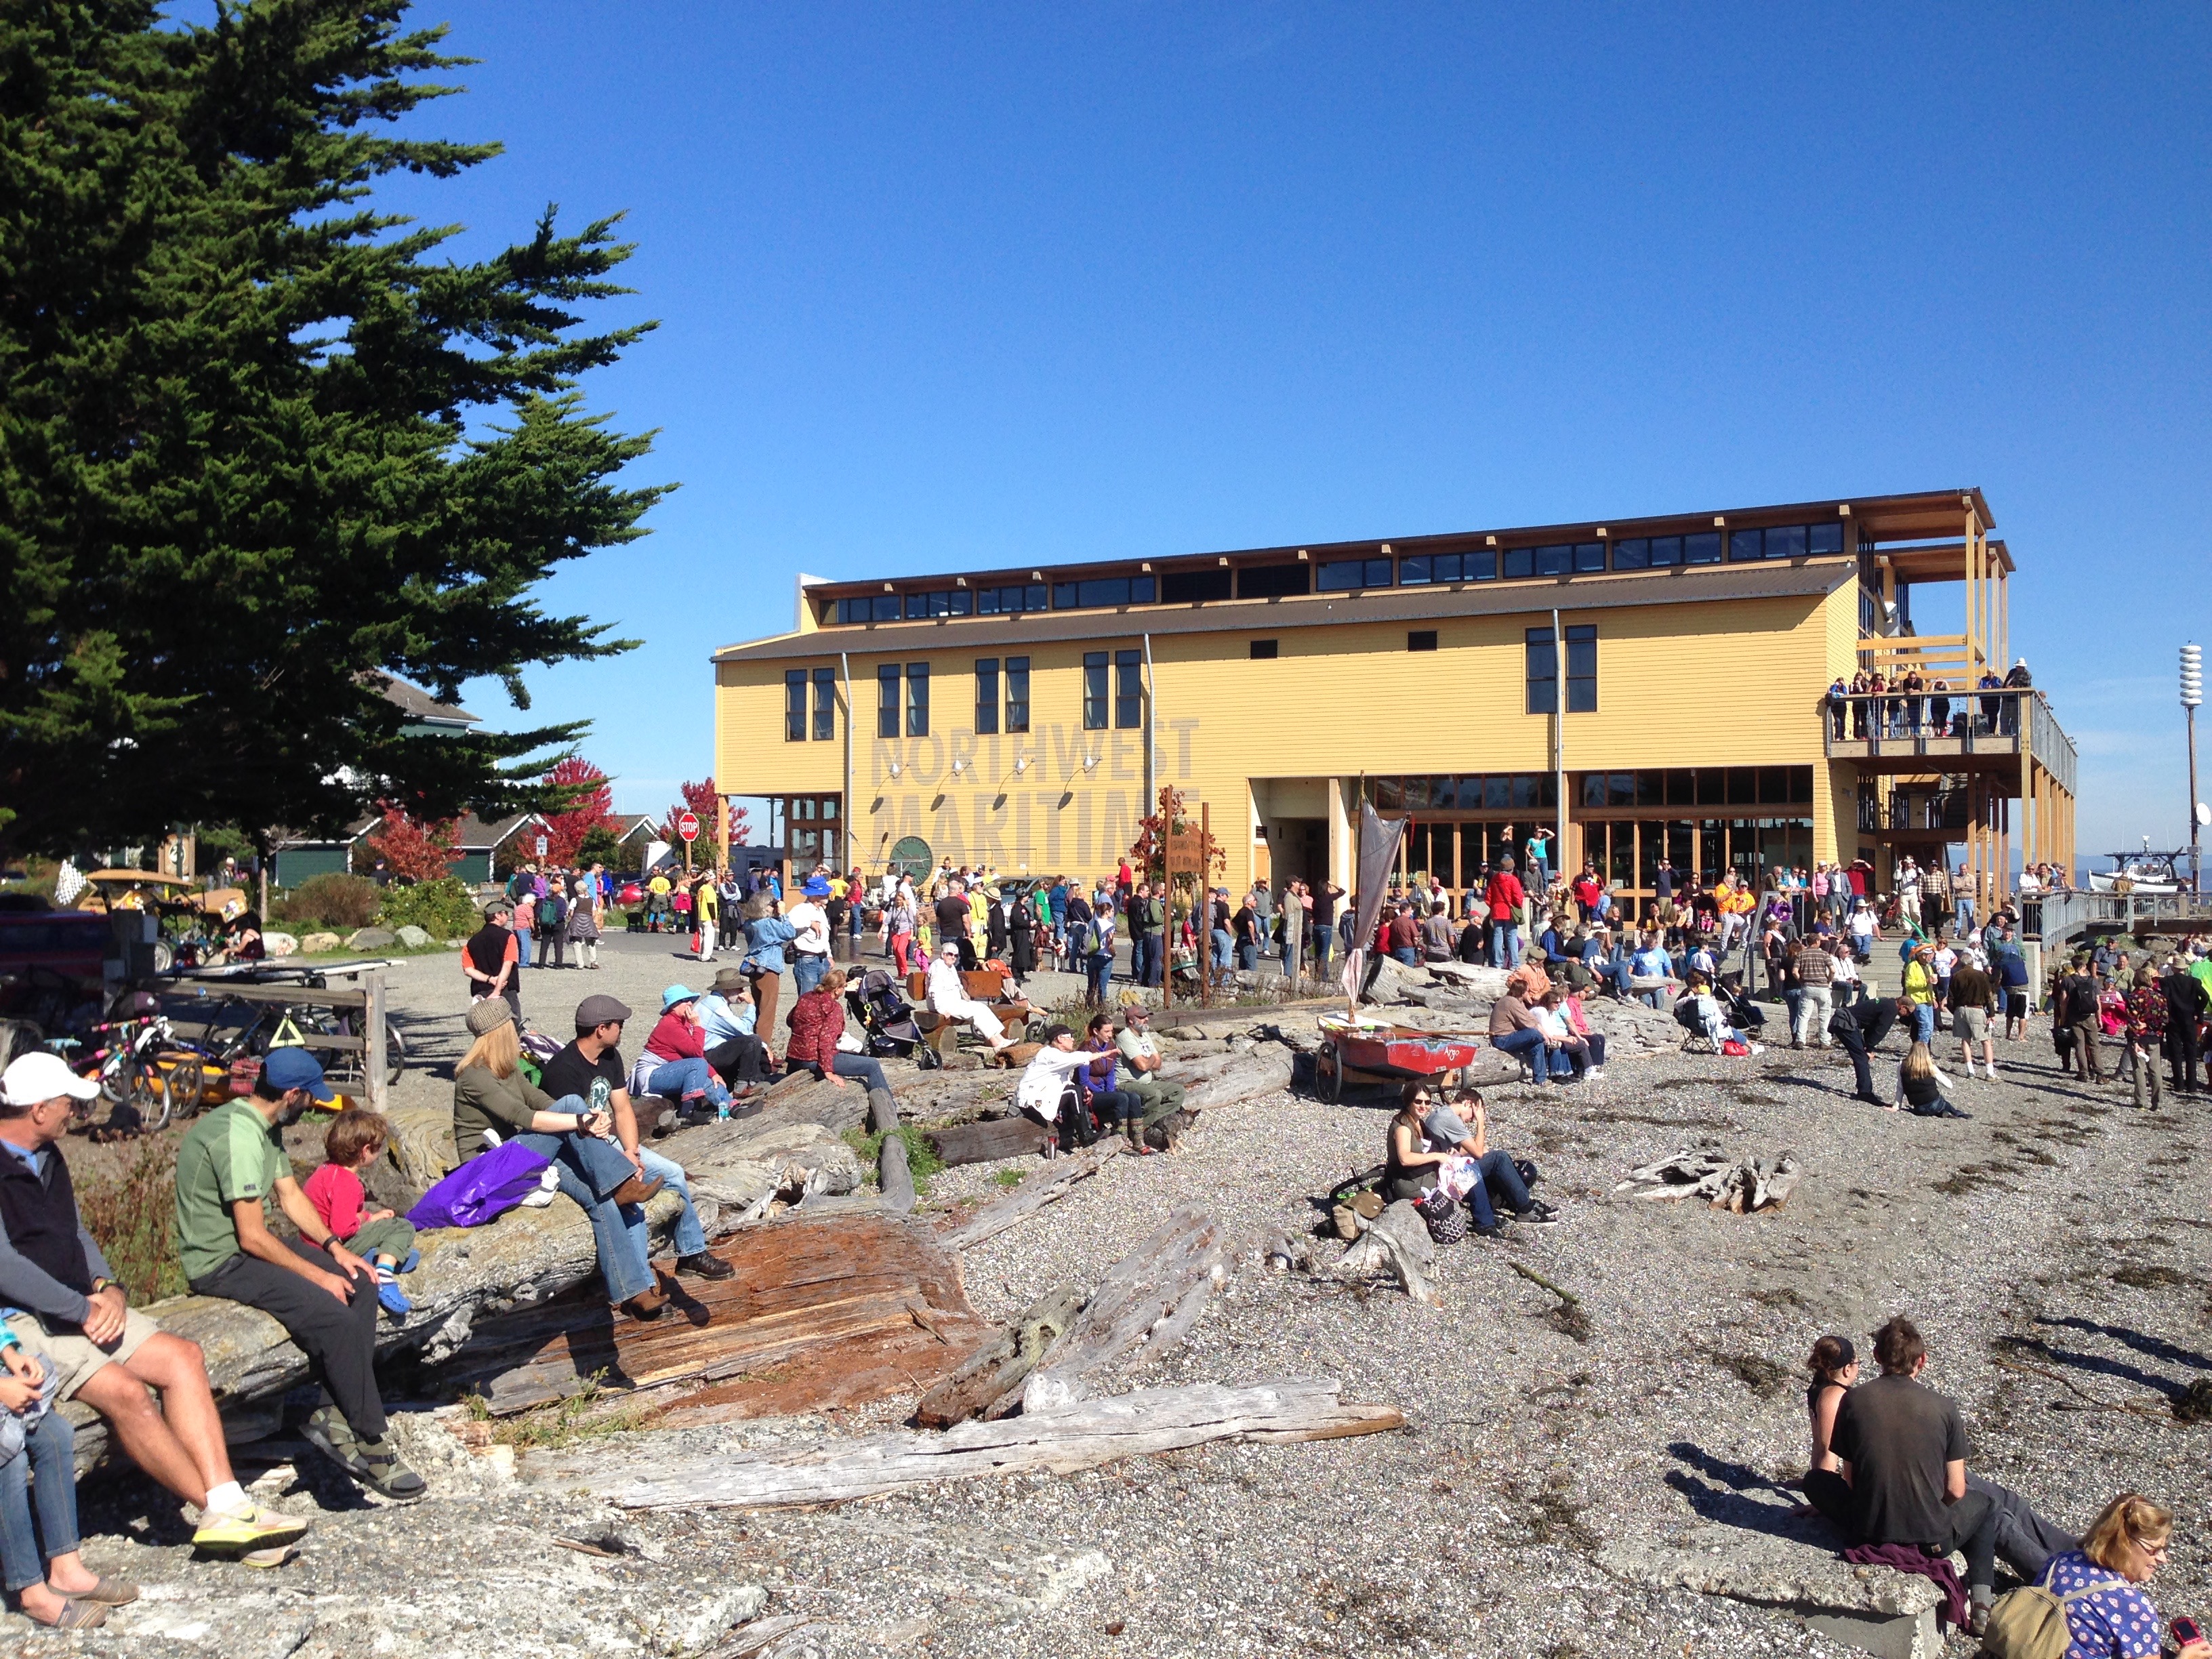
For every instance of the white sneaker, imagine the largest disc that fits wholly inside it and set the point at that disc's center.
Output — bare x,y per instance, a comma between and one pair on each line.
1596,1074
1757,1048
548,1184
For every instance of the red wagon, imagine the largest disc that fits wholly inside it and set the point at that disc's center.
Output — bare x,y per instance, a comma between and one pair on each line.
1368,1051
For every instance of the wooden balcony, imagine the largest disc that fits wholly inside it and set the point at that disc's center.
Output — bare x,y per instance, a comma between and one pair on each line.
1877,735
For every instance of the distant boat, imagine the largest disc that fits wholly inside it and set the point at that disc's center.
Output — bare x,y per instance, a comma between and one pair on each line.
2139,872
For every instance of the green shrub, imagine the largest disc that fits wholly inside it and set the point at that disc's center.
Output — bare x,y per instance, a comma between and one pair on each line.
340,902
921,1159
133,1215
599,846
443,908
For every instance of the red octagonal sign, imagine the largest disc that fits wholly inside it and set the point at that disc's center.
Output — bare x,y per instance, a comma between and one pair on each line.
687,826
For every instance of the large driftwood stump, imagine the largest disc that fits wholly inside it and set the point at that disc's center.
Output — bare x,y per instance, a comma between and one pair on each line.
1149,1299
1083,1437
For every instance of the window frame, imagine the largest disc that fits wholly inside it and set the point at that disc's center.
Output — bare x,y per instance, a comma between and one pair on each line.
917,700
1094,687
987,697
1582,689
1265,650
794,705
825,705
1546,702
1129,690
1017,707
887,701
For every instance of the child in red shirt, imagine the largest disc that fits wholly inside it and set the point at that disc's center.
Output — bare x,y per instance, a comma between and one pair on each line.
357,1140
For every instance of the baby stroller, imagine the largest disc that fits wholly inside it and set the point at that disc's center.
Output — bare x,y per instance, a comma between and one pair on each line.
887,1018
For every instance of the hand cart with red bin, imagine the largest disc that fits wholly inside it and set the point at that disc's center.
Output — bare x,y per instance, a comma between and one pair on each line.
1364,1051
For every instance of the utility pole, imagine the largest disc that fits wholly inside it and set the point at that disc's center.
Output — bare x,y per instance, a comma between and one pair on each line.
2193,693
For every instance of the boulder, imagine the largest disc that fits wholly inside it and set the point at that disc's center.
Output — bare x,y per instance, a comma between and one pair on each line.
280,945
1475,979
316,943
414,937
370,939
1778,1559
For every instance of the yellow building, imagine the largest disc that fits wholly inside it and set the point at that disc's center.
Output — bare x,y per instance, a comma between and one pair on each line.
1026,719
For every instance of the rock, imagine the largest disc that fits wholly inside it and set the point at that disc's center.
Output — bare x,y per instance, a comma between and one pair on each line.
692,1623
1188,1034
369,939
280,945
1783,1560
1472,977
414,937
316,943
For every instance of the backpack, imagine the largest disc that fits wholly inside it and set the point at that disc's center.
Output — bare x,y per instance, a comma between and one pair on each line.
552,911
1078,938
2030,1622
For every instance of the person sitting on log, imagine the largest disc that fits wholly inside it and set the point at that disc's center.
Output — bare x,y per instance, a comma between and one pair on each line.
1900,1483
1108,1104
673,1064
1461,1125
818,1022
231,1162
1048,1089
948,998
1571,1051
1162,1098
70,1313
728,1022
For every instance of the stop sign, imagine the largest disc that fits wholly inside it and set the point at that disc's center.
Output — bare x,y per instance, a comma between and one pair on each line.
687,826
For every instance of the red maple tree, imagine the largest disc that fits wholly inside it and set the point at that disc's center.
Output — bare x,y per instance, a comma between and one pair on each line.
699,797
412,849
594,806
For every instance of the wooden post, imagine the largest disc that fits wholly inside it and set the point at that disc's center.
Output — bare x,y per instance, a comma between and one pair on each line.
1202,918
372,1031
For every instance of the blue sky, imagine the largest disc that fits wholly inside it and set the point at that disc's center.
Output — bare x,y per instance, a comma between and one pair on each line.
951,287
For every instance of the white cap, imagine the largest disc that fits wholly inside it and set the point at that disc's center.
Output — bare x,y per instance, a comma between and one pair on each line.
40,1076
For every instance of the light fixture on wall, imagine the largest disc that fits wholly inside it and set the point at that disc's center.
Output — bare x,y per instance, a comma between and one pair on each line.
1090,762
960,765
896,768
1021,764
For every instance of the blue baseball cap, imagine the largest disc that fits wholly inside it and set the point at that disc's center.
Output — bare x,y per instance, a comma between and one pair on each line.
676,993
291,1068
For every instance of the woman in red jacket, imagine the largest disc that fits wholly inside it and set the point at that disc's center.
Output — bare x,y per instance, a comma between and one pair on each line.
674,1063
816,1021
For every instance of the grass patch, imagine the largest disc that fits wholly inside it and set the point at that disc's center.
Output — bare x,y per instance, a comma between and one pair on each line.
587,1415
921,1159
1009,1177
133,1216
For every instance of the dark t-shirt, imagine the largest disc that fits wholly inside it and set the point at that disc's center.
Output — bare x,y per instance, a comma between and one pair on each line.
951,917
1324,907
569,1074
1896,1435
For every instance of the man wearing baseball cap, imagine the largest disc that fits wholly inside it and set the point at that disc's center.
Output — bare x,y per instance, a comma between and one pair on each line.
232,1162
69,1311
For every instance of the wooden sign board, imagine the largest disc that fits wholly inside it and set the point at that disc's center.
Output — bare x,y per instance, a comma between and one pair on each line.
1187,852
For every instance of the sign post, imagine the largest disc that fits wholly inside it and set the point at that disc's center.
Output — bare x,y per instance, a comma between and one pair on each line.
687,825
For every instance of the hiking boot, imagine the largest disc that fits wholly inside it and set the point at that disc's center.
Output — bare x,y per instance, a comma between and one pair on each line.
635,1190
646,1304
704,1266
329,1433
378,1465
247,1529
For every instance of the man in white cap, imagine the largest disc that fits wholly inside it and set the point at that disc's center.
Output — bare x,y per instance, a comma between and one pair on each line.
68,1309
948,997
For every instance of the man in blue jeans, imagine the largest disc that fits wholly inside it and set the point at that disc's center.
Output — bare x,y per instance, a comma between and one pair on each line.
591,1070
1514,1030
1463,1125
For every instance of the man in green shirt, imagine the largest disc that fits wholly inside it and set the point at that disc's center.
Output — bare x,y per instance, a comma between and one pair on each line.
324,1295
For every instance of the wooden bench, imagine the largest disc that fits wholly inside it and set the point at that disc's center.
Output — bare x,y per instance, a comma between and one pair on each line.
942,1033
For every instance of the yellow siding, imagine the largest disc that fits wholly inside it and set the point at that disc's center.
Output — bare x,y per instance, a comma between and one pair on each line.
1734,684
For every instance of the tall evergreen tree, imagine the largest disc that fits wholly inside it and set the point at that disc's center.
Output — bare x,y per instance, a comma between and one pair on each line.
261,445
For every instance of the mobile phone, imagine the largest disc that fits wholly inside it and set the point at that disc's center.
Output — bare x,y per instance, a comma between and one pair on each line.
2184,1631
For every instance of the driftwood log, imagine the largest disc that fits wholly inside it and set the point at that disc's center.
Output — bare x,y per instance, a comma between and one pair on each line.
1149,1299
1396,1241
990,1384
1046,1185
987,1140
893,1175
1082,1436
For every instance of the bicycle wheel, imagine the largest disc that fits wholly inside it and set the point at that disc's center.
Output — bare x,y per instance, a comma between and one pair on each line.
165,955
183,1088
126,1083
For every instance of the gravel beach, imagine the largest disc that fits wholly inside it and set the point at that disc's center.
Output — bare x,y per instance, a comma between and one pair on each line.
2053,1249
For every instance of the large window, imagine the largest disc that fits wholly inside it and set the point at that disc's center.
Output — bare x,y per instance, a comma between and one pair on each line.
882,607
987,695
1787,541
957,602
1094,691
917,700
1128,690
1017,694
1342,576
826,704
1095,592
794,705
1194,587
887,701
1007,601
1581,670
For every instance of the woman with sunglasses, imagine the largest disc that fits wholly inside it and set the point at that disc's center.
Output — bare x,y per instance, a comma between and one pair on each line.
2107,1615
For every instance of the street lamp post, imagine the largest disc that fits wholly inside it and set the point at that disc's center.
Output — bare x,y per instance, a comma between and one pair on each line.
2193,693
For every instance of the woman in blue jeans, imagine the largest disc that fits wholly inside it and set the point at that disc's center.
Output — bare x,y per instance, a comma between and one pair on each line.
58,1590
817,1022
1461,1124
